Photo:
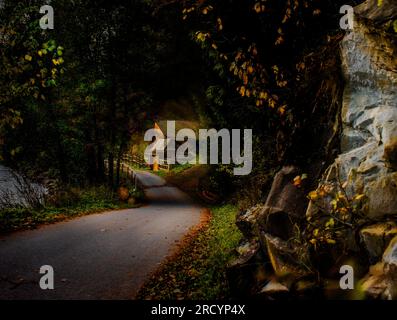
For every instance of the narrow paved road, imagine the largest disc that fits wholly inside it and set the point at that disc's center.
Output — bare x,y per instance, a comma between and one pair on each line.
101,256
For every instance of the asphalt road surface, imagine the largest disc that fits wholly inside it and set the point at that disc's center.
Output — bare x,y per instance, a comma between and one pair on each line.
100,256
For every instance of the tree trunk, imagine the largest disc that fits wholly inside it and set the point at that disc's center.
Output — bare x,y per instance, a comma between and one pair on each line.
118,170
111,169
100,165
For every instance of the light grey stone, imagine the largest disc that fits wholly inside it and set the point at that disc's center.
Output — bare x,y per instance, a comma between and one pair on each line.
369,112
376,238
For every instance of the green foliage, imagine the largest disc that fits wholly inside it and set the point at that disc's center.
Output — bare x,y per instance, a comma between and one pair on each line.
72,96
68,204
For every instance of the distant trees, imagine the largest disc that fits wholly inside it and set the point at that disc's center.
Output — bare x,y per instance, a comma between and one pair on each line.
72,96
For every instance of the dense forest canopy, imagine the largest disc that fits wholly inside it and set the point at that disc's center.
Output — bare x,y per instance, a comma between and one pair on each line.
71,97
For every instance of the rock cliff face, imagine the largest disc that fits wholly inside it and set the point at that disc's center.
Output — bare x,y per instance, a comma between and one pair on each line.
367,164
369,114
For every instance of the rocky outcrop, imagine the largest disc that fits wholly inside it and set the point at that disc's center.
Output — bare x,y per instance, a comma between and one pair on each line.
376,238
274,290
381,281
246,221
285,204
248,271
364,169
268,251
369,115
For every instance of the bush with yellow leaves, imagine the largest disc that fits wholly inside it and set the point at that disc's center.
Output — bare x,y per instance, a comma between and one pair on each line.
338,213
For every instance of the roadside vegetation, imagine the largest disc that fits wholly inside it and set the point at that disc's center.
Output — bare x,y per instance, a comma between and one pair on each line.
198,269
69,203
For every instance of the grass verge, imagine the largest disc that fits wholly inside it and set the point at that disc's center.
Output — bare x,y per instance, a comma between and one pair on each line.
198,269
77,203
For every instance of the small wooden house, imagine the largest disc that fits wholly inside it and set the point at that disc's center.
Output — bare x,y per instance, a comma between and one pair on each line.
164,144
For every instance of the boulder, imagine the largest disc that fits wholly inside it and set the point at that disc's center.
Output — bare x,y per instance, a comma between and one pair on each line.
274,290
381,281
382,195
390,254
286,259
377,13
284,196
285,204
246,221
376,238
248,271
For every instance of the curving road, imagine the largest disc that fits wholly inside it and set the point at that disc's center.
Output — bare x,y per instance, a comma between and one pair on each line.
100,256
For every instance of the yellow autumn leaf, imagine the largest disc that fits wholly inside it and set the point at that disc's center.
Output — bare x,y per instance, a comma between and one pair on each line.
359,197
330,223
279,40
297,181
313,195
28,58
263,95
220,25
257,7
245,78
281,110
316,12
